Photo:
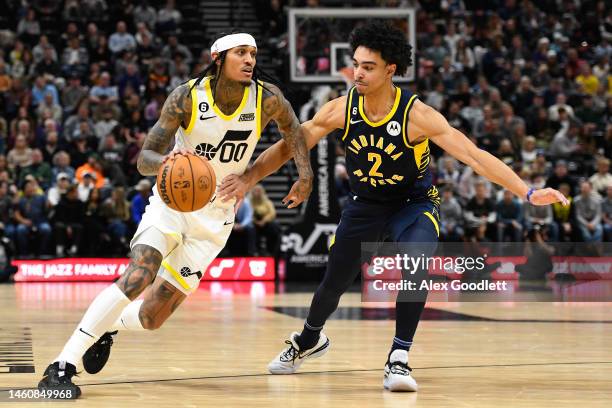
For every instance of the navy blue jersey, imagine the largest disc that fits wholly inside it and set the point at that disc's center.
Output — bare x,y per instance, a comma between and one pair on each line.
381,163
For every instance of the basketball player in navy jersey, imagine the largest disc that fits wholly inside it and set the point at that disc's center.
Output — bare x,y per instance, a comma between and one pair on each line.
386,136
218,115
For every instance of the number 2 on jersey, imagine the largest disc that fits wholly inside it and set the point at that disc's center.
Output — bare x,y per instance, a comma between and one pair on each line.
377,159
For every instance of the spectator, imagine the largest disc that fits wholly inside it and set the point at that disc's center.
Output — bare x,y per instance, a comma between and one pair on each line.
588,213
449,173
479,214
467,184
506,152
555,110
565,142
72,127
39,49
168,18
104,90
41,88
116,211
561,175
529,152
47,104
5,79
144,14
140,200
79,151
86,185
606,214
106,124
509,218
437,51
264,215
48,64
7,228
92,37
73,94
101,55
75,58
68,222
131,78
563,214
54,194
93,167
121,40
39,169
242,239
61,164
95,225
451,216
21,154
602,179
173,47
31,217
28,28
588,82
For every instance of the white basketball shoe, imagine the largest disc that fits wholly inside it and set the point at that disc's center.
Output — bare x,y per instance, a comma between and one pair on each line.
397,373
291,358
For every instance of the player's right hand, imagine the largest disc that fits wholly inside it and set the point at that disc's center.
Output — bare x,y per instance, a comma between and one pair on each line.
174,153
299,192
233,186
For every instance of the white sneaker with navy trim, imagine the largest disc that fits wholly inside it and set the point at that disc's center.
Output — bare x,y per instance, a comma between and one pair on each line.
291,358
397,373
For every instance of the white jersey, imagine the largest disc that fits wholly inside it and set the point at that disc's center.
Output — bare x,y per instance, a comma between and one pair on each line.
227,141
195,238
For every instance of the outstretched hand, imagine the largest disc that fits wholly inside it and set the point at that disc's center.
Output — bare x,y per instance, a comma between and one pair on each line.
545,196
299,192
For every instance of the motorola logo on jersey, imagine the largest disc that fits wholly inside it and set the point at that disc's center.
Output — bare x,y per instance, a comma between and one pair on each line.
394,128
231,148
186,272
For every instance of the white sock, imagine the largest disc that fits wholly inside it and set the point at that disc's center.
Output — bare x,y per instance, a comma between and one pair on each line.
129,319
102,312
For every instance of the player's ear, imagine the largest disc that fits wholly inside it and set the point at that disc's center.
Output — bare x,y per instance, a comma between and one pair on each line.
215,57
391,68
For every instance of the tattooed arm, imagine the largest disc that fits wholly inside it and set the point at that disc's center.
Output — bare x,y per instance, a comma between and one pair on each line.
276,107
331,116
176,111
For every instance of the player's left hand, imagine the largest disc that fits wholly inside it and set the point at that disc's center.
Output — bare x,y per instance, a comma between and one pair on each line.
233,186
545,196
299,192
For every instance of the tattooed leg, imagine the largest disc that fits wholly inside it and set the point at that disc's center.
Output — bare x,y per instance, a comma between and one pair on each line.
159,303
144,264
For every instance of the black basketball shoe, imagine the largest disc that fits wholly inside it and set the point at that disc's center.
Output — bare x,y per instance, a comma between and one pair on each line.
58,377
96,356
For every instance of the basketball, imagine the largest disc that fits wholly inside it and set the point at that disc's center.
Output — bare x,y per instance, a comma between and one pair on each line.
186,182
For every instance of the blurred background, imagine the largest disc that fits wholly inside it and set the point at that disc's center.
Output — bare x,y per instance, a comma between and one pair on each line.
82,81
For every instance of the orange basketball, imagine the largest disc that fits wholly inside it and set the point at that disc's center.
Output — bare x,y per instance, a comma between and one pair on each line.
186,182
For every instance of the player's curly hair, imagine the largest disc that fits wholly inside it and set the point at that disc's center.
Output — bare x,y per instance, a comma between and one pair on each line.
389,41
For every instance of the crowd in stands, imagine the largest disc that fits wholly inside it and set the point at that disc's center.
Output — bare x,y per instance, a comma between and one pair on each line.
81,82
528,81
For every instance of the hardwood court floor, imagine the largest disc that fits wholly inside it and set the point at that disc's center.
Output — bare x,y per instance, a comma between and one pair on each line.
214,352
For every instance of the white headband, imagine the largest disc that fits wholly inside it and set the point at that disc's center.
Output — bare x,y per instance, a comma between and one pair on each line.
231,41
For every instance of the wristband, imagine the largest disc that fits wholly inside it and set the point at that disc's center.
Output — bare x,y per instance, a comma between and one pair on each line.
529,193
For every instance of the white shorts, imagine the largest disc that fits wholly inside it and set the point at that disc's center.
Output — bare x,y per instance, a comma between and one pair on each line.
188,242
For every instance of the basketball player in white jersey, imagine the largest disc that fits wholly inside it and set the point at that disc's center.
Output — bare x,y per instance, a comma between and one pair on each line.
219,117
